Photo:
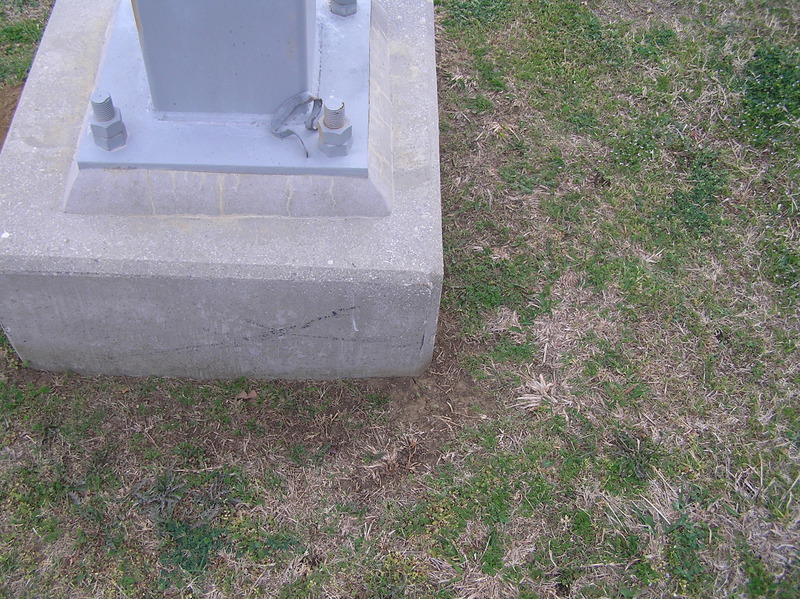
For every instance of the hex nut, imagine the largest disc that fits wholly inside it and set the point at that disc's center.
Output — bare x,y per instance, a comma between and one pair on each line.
344,8
334,151
107,129
335,137
112,143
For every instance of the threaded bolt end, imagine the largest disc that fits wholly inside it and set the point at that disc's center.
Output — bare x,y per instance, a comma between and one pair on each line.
333,115
102,106
344,8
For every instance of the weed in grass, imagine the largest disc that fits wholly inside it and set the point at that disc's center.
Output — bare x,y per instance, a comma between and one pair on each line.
13,6
623,394
510,351
133,575
484,437
492,557
86,421
692,494
396,576
479,104
261,542
215,493
14,399
782,265
582,526
307,402
487,496
631,550
10,562
254,428
272,481
640,144
566,209
778,496
633,459
760,583
654,42
744,346
772,94
535,491
377,400
491,75
571,466
686,540
578,111
190,454
789,582
161,496
606,355
220,411
93,511
305,586
100,475
695,208
299,454
189,546
535,172
790,415
28,491
601,268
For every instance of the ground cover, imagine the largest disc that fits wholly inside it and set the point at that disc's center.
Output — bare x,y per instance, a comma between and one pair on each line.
613,407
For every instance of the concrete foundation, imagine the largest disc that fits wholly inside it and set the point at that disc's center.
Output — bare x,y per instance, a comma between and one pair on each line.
170,289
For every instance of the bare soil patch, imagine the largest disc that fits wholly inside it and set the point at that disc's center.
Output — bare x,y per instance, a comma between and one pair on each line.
9,96
372,433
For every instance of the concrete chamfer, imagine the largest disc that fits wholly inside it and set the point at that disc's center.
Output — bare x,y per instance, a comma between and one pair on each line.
214,293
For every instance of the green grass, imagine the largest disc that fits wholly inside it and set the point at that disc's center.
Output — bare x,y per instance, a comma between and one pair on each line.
612,410
21,26
772,94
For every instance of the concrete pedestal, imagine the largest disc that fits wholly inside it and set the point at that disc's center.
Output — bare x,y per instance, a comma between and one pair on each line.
219,294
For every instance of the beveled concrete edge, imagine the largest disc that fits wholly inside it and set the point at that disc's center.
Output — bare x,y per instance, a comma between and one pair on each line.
146,192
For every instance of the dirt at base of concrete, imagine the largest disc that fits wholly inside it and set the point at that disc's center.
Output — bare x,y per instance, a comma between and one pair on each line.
9,96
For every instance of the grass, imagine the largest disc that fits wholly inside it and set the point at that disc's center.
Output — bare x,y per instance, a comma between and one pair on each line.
612,407
21,26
